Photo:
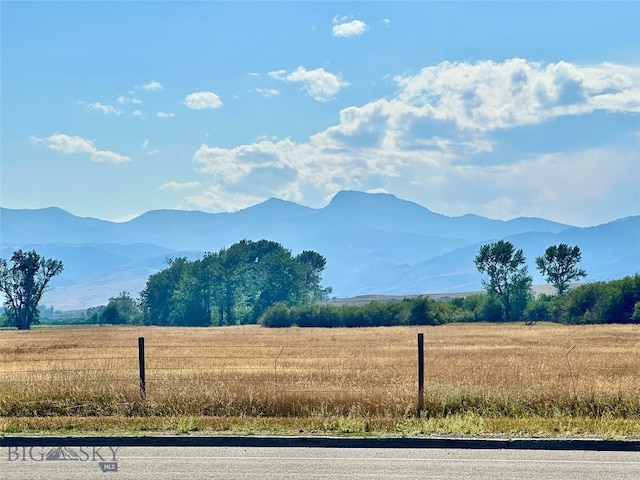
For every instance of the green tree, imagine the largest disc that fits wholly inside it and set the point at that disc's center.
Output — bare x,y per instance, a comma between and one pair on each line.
425,311
121,310
600,302
93,314
479,307
231,287
23,285
538,310
559,266
158,297
191,299
236,285
312,265
508,276
276,277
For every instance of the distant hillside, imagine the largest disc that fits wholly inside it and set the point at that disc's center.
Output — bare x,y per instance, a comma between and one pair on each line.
375,244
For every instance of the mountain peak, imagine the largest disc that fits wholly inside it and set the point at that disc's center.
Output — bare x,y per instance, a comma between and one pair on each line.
276,208
377,200
355,196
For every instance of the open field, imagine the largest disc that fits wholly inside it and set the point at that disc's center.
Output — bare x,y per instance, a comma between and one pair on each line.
545,379
365,299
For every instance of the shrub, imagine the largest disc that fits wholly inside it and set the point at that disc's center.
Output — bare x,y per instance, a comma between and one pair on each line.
537,310
277,316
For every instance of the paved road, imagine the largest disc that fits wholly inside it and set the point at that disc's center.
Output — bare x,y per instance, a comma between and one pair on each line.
254,463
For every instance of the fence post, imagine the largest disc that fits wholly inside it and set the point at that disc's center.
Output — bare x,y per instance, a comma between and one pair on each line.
420,373
143,385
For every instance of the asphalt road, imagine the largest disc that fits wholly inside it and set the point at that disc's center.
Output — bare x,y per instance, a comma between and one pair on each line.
254,463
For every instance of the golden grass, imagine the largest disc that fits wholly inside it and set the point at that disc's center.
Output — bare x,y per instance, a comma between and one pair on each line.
480,378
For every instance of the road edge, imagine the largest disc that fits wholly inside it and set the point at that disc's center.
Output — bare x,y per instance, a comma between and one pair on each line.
324,442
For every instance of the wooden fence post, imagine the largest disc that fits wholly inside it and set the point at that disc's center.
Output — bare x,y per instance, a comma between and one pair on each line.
143,385
420,373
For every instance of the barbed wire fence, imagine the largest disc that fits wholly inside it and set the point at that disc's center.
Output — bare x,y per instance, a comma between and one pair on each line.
308,378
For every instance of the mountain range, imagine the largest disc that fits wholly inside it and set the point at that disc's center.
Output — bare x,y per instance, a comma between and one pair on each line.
374,243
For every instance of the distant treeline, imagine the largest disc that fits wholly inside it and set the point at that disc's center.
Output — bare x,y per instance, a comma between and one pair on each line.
616,301
263,282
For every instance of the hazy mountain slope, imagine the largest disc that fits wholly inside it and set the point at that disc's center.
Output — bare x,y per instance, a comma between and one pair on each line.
176,229
53,225
609,251
97,289
374,244
351,210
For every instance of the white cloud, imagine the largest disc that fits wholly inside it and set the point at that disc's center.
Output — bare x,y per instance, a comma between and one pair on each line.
165,115
488,95
286,169
263,136
145,147
107,156
69,144
318,83
124,100
343,27
173,185
217,199
137,113
267,92
202,100
106,109
278,74
560,186
223,163
152,86
433,131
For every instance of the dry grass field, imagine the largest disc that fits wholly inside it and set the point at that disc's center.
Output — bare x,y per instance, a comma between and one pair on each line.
480,378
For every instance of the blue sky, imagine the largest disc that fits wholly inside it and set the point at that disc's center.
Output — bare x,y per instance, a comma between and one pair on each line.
502,109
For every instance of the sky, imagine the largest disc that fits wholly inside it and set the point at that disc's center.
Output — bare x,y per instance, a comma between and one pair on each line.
500,109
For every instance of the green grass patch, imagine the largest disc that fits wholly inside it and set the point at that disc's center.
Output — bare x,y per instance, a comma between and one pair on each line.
606,427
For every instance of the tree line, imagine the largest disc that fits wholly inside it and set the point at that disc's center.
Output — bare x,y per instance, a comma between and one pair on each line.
263,282
616,301
232,286
509,296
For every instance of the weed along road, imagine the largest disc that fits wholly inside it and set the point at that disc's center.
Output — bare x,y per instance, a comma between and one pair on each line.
326,463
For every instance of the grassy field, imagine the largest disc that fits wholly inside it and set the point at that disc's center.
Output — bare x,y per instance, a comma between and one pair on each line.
481,379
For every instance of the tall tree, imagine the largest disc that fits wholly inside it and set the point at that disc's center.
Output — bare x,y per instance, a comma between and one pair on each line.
192,296
235,285
277,277
559,266
158,297
121,310
508,276
24,283
234,279
312,264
